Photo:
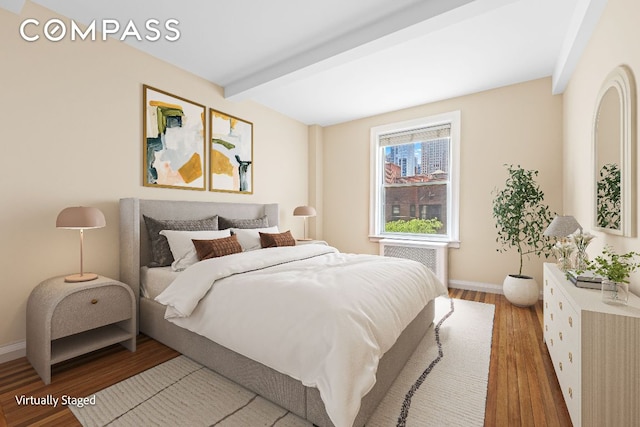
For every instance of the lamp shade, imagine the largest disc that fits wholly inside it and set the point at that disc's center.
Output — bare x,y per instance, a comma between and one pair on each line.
562,226
304,211
80,217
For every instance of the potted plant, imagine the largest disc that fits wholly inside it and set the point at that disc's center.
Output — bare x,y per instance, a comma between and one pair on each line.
615,270
521,218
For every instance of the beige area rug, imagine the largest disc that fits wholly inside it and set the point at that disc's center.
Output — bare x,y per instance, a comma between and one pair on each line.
443,384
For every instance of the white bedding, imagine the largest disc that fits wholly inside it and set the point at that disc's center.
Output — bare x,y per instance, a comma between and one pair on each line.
154,280
317,315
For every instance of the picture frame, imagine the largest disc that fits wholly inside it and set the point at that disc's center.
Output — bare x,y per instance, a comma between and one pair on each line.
230,153
174,141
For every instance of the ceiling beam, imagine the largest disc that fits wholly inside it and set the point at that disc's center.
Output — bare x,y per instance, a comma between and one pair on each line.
421,18
585,19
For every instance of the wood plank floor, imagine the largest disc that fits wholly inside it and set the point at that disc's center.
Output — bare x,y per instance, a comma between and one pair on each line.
522,390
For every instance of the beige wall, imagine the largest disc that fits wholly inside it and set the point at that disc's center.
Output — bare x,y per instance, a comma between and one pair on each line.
520,124
71,135
614,42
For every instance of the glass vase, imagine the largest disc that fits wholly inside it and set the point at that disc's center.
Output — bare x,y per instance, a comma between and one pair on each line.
582,260
615,292
564,263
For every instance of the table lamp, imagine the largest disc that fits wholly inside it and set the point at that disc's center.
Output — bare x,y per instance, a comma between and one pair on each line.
304,211
562,226
80,218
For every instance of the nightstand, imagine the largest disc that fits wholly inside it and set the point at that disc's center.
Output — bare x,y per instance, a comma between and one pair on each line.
65,320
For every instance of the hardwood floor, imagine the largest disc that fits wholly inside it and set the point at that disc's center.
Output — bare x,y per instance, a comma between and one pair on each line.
77,377
522,390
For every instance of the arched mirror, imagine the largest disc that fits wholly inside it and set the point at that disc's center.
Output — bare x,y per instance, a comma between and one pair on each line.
614,142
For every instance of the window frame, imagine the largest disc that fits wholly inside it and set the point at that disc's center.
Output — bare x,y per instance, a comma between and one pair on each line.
376,210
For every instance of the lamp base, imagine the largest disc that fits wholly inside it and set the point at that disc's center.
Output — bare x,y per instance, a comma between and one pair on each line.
75,278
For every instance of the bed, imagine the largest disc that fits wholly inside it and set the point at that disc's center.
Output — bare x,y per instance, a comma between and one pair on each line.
282,389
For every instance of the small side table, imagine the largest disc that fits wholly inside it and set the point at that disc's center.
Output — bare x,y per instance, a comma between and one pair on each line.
65,320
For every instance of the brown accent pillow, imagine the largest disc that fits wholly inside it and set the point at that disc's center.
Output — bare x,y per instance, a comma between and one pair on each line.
217,247
272,240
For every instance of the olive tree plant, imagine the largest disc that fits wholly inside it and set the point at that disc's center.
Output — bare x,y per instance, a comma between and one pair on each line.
521,215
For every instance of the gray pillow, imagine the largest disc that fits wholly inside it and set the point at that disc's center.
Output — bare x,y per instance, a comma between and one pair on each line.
224,223
161,255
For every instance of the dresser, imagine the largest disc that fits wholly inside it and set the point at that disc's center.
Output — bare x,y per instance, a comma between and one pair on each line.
595,350
65,320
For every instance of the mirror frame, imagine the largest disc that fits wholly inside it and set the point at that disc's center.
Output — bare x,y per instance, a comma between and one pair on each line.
621,79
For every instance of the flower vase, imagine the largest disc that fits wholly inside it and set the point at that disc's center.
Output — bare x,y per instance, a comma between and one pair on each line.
564,263
582,259
563,252
615,292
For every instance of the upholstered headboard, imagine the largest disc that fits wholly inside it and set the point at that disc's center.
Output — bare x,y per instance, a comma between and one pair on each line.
134,240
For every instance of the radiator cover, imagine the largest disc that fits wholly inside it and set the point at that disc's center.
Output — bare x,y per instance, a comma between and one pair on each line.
431,254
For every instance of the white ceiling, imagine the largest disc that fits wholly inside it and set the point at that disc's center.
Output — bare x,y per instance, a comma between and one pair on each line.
330,61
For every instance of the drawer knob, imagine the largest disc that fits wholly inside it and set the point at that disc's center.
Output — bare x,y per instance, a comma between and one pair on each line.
560,366
546,328
570,357
551,314
560,335
546,305
551,291
560,304
570,393
570,321
551,342
94,301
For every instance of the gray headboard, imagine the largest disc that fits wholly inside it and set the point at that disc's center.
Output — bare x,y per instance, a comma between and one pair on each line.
134,240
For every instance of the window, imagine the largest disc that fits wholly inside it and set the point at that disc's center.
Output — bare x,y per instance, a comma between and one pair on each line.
415,179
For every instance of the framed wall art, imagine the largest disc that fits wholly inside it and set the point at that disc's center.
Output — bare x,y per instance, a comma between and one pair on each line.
174,141
230,153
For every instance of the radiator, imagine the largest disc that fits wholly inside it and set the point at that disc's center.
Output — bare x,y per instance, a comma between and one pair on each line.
431,254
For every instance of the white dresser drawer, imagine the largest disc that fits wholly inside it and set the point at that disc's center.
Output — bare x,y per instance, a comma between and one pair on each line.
578,332
562,336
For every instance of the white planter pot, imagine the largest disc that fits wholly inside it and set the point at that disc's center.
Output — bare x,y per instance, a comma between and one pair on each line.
522,291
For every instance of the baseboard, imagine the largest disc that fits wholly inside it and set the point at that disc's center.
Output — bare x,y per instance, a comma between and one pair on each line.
13,351
489,288
465,285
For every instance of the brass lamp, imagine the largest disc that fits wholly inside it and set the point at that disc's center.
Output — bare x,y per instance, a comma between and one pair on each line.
80,218
304,211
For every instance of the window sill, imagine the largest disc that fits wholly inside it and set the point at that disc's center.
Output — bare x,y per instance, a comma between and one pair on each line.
415,241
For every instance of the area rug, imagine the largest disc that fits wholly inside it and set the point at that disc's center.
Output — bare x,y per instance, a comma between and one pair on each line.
443,384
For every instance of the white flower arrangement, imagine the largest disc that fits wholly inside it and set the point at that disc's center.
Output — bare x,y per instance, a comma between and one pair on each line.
581,239
563,250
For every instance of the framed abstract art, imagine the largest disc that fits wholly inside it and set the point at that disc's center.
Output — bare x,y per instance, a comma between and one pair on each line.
174,141
230,153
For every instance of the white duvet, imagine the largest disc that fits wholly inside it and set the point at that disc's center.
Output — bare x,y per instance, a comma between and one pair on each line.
320,316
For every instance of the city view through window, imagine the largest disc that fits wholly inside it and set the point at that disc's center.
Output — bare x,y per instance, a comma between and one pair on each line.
416,177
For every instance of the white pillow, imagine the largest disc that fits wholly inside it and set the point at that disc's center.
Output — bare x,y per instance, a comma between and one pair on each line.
249,238
182,249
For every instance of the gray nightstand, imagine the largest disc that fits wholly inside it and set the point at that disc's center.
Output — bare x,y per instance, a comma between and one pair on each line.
65,320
